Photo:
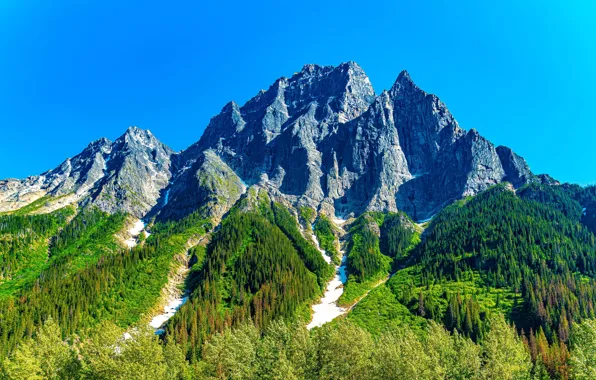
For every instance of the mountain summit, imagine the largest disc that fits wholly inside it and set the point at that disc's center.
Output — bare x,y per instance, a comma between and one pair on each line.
321,138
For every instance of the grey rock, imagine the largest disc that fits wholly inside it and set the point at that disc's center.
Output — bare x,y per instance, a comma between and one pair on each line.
321,138
127,175
138,170
517,171
76,175
209,187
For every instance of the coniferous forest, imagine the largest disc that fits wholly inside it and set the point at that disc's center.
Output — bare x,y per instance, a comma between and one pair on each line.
500,285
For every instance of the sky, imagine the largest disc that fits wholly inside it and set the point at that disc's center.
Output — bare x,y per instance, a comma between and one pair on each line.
522,73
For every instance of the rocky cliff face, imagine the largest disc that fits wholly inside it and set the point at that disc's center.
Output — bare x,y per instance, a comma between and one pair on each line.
321,138
76,175
127,175
138,171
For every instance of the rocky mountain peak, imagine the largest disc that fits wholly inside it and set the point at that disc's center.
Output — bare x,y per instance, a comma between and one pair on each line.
320,138
404,87
136,137
101,144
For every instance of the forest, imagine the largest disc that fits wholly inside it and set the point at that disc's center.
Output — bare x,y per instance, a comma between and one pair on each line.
257,268
500,285
282,350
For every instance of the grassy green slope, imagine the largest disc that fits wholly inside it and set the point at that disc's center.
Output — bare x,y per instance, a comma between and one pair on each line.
377,243
526,255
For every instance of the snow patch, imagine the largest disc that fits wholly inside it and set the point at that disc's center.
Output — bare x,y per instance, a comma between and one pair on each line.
105,163
135,231
416,175
338,220
169,310
167,197
323,253
327,309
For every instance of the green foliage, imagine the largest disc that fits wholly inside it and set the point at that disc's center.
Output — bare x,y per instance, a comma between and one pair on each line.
109,354
504,354
365,259
377,243
345,351
586,197
397,241
24,246
583,350
324,231
380,311
252,271
522,245
45,356
308,215
89,279
355,290
554,197
36,205
309,254
86,238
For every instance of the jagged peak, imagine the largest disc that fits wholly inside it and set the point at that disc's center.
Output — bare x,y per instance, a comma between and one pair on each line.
310,68
101,144
404,75
133,130
138,137
404,83
134,133
350,64
101,141
230,106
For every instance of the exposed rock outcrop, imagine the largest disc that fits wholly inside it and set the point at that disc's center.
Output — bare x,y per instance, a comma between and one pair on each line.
321,138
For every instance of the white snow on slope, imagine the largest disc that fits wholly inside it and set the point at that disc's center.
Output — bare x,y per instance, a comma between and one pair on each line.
338,221
169,310
105,163
327,309
135,231
323,253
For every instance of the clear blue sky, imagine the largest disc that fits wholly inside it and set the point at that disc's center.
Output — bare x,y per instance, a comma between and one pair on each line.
74,71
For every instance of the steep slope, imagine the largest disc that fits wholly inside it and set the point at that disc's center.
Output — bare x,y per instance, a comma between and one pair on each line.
128,175
137,172
323,139
76,176
526,255
275,138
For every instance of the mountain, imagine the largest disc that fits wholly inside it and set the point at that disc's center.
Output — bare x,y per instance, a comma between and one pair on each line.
404,243
321,139
126,175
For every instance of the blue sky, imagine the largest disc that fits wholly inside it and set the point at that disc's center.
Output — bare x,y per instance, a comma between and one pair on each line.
71,71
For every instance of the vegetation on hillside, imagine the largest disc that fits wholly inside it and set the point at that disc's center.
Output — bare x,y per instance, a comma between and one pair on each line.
257,268
88,278
288,351
378,242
